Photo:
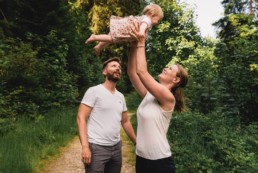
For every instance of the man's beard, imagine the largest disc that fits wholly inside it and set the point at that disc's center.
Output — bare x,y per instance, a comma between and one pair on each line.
112,77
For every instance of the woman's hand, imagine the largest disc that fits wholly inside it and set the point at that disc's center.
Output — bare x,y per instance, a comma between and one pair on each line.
135,33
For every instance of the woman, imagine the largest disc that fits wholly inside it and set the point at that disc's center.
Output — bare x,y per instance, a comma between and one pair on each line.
160,99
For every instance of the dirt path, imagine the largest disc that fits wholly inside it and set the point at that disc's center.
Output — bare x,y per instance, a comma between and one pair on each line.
69,161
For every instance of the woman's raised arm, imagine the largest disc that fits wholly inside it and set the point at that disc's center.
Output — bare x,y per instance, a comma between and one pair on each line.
159,91
131,71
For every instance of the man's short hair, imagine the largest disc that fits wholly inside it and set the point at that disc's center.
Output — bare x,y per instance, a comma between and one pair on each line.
110,60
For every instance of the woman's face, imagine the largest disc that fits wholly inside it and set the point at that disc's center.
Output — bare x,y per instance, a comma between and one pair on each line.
169,74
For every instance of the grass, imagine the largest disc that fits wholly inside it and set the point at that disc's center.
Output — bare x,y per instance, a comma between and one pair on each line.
22,149
129,150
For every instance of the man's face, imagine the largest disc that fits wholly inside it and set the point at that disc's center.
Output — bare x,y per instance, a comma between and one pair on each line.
112,71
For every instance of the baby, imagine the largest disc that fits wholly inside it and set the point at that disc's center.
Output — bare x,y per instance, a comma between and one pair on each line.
120,30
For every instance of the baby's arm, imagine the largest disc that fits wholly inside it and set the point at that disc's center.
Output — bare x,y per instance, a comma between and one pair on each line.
143,28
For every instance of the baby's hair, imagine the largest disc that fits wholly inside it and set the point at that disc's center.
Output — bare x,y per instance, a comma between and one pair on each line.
153,10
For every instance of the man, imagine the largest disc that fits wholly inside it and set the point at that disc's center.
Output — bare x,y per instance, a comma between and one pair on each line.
101,112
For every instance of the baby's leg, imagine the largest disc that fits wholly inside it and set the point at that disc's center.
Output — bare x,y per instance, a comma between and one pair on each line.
90,39
102,38
99,47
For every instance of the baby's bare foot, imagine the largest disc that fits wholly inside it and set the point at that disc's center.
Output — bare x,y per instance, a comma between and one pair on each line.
97,50
90,39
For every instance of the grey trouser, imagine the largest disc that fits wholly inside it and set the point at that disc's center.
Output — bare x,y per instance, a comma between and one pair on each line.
105,159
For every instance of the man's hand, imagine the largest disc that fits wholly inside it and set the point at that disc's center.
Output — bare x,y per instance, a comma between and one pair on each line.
86,155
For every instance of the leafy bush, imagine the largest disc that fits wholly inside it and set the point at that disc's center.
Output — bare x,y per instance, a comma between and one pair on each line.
31,81
213,143
133,100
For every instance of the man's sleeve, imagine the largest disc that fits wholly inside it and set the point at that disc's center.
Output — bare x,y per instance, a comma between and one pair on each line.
124,105
89,97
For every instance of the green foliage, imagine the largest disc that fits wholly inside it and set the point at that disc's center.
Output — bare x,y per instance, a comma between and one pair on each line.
30,79
176,36
235,6
213,143
210,143
38,17
237,55
22,149
201,92
6,125
81,59
133,100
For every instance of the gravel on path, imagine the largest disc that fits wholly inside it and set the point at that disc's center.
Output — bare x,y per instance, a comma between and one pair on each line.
69,161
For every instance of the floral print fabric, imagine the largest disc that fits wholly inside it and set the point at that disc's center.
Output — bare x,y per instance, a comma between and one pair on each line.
120,28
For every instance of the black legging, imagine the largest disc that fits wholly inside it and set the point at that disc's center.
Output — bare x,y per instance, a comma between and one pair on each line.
165,165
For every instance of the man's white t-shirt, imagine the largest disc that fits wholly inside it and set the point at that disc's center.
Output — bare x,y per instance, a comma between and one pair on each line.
105,118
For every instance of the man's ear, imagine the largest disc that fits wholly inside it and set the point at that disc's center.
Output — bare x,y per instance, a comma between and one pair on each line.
104,71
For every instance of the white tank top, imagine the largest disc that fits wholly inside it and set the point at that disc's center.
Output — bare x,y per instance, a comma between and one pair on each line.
153,123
